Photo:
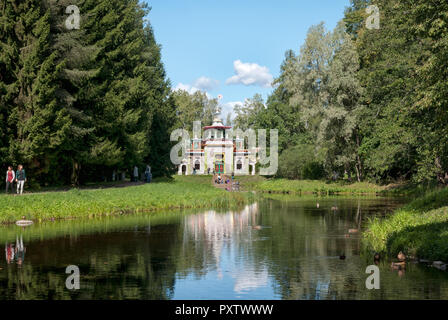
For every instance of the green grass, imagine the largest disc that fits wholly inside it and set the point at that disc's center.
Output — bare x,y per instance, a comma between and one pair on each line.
308,186
182,192
419,229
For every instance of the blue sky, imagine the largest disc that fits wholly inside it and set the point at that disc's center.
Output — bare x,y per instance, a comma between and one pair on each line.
233,47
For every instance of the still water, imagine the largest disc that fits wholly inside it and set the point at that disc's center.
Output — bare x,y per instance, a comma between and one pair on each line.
277,248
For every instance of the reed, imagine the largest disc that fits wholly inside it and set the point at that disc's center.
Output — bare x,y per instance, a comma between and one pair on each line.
316,186
419,229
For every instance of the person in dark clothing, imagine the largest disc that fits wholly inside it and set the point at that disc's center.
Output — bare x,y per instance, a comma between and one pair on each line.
148,174
20,178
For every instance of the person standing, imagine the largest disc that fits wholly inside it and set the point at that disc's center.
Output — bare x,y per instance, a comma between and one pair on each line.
20,178
135,173
148,174
10,176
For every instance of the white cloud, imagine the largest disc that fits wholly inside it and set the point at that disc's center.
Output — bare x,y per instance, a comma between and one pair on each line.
228,108
206,84
203,84
250,74
190,89
186,87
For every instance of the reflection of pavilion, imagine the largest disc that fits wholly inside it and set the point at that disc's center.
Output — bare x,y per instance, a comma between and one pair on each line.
214,227
215,231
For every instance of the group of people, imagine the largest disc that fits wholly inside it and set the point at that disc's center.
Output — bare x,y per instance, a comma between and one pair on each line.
148,174
220,180
18,176
232,185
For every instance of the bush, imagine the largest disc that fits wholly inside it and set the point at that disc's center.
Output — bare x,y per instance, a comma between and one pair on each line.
300,162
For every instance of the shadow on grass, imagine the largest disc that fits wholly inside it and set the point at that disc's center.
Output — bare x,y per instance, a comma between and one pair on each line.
428,241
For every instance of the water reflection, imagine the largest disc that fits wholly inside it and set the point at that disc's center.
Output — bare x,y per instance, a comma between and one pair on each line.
15,252
225,242
279,248
212,231
9,249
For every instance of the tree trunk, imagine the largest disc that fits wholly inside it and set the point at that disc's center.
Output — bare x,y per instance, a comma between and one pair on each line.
358,175
349,173
359,168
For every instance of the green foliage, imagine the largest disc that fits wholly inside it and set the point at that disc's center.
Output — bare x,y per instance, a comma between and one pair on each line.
355,16
248,115
77,104
193,107
320,86
419,229
299,162
74,101
316,186
371,102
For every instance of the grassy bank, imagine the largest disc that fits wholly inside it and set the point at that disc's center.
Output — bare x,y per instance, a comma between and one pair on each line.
100,224
308,186
419,229
182,192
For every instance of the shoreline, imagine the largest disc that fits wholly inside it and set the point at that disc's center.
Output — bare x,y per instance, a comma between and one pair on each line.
177,193
419,230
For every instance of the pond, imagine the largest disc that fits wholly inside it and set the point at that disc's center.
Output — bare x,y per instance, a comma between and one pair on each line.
282,247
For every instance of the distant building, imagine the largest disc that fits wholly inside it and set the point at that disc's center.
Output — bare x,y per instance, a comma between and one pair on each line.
218,151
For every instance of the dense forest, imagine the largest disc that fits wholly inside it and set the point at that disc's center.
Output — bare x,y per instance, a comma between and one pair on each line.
353,102
76,104
364,103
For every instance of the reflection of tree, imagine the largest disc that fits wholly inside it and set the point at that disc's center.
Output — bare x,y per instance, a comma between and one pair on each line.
110,267
304,247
